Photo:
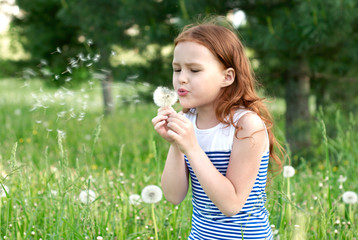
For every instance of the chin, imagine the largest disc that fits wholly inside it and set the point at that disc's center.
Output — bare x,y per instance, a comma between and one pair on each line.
185,105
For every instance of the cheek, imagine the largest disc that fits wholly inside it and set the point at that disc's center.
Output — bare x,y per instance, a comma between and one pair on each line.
174,82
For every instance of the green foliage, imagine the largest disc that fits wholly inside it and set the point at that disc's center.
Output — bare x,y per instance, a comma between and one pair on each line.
283,33
118,155
42,31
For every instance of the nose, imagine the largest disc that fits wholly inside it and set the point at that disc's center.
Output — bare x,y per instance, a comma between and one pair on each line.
182,78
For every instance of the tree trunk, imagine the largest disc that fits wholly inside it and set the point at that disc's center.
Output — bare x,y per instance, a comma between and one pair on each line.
107,94
297,107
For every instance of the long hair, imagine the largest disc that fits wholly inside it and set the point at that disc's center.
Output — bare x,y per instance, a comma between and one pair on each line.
228,49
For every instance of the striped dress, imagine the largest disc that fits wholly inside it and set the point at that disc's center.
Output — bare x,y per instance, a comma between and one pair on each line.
207,220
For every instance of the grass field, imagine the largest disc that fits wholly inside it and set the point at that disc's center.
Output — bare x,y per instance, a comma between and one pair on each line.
54,144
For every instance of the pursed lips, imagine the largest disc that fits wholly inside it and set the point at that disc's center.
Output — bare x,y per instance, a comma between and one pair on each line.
182,92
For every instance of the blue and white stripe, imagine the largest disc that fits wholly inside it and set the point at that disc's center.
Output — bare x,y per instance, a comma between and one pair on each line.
250,223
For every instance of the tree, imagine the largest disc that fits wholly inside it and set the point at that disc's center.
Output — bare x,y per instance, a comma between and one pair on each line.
294,41
41,30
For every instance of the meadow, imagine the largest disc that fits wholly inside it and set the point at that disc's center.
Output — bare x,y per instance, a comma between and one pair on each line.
56,145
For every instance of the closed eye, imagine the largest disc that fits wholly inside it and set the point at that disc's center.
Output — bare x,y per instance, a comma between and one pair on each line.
195,70
176,70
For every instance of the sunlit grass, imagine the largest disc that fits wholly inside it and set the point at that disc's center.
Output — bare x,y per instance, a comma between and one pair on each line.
48,157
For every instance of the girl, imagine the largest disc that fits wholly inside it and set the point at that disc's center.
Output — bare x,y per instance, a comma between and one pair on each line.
220,139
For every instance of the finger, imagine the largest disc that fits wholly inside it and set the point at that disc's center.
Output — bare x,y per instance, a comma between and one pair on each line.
173,135
159,118
183,122
164,108
179,116
166,111
159,125
175,127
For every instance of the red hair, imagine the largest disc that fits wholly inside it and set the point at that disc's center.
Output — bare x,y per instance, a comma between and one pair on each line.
228,49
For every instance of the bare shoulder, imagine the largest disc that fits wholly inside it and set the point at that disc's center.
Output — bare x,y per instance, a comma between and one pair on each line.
249,124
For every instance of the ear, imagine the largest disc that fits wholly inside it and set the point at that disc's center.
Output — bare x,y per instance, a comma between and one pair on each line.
229,77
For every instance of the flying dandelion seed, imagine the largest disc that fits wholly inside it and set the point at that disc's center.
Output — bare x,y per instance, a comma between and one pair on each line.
151,194
26,84
46,72
42,63
350,197
164,97
134,199
58,50
87,196
3,190
288,171
96,57
81,57
57,77
68,79
89,64
89,42
61,114
68,69
73,61
113,53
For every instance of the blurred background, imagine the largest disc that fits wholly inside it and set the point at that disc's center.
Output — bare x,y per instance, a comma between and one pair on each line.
304,53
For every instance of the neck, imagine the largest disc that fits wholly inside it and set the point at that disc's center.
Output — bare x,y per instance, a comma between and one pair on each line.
206,118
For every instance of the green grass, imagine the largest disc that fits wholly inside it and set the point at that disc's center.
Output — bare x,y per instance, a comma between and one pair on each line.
119,155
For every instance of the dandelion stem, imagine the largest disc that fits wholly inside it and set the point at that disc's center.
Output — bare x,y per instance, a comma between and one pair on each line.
154,223
328,164
13,157
289,200
120,156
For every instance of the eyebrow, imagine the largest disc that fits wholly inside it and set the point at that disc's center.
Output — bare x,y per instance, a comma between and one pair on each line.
190,64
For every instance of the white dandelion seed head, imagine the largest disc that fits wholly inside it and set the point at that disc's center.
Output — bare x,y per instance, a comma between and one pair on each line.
350,197
87,196
342,179
17,112
53,193
151,194
99,238
164,97
2,192
134,199
288,171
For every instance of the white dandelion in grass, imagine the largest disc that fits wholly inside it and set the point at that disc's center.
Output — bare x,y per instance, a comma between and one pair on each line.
342,179
87,196
53,193
4,190
288,171
134,199
164,97
152,194
350,197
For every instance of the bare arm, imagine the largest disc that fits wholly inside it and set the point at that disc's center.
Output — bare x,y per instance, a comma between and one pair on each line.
175,177
229,193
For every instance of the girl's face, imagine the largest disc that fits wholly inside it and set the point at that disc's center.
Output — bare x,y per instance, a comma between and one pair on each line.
197,75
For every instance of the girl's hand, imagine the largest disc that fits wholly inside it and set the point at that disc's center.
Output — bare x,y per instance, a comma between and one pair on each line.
160,122
181,131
